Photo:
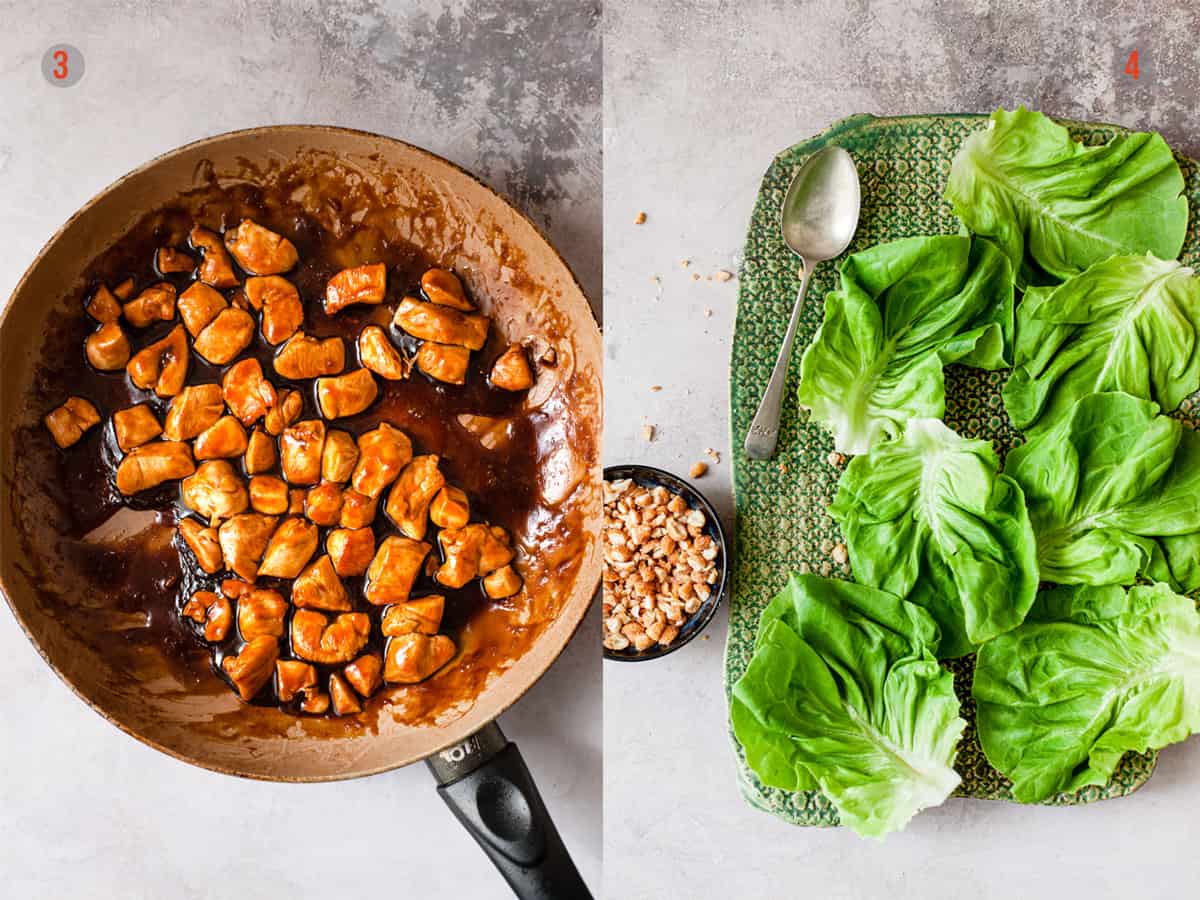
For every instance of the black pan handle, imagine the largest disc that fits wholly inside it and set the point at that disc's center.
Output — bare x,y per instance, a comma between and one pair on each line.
487,786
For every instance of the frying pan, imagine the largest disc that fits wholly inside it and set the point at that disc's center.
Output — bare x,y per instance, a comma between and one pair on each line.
530,293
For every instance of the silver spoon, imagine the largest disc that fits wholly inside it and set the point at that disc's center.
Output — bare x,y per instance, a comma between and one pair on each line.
819,218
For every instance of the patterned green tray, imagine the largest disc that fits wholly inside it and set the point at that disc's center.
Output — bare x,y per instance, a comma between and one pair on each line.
782,523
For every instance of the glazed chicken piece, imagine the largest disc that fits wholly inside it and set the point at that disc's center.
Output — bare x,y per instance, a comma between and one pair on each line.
124,290
103,306
155,304
443,287
292,677
199,305
315,702
411,658
193,410
259,250
304,357
286,411
225,336
68,422
279,301
212,611
441,324
362,284
107,348
291,547
409,500
365,674
135,426
382,453
318,640
163,365
351,550
504,582
511,371
170,260
151,464
319,587
215,491
300,449
203,543
260,612
216,268
269,495
477,549
396,565
422,615
450,508
224,439
444,362
338,457
252,668
358,510
492,433
247,393
323,504
345,702
379,354
346,395
296,497
260,452
244,539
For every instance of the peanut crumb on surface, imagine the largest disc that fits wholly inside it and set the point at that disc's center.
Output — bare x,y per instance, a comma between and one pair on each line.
722,275
656,387
712,454
639,219
840,554
656,279
835,458
685,262
707,313
695,276
697,470
648,432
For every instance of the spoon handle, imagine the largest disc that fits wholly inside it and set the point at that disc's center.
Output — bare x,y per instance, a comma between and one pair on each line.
764,430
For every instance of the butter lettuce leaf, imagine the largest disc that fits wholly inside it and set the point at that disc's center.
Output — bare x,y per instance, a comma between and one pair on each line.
1096,672
1055,206
928,517
844,693
902,311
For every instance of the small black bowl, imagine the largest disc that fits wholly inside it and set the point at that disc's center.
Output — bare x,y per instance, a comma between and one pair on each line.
648,476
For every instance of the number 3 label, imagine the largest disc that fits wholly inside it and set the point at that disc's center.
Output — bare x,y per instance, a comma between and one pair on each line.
62,65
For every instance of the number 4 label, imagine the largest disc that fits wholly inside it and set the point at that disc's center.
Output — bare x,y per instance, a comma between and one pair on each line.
1131,66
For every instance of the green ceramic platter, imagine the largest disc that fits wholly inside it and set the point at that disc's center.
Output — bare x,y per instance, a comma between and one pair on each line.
782,519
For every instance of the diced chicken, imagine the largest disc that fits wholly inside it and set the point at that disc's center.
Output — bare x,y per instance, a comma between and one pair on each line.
291,547
260,452
151,464
212,611
163,365
215,491
474,550
379,354
346,395
511,370
68,422
135,426
351,550
225,336
450,508
124,290
504,582
279,301
410,497
422,615
304,357
383,452
199,305
323,504
247,393
345,701
252,668
338,457
224,439
444,362
365,674
103,306
171,260
260,612
300,449
362,284
358,510
319,587
296,497
259,250
292,677
396,565
155,304
203,543
443,287
193,410
315,702
492,433
107,348
269,495
216,268
244,539
286,410
411,658
442,324
318,640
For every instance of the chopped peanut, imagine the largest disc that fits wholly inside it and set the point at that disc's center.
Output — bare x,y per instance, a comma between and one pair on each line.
215,491
155,304
450,508
351,550
362,284
224,439
212,611
151,464
68,422
338,457
216,268
346,395
247,393
203,543
300,449
107,348
269,495
444,288
303,357
318,640
319,587
394,569
163,365
444,362
382,453
279,301
511,370
252,668
378,354
410,497
442,324
291,547
259,250
411,658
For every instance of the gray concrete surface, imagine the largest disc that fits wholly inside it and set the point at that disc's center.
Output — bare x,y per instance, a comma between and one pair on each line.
698,98
509,90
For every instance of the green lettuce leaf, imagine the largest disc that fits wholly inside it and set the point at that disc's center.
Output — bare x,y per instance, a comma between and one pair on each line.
1095,672
1055,206
927,517
844,694
1113,491
903,310
1130,323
